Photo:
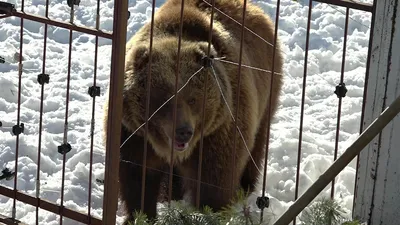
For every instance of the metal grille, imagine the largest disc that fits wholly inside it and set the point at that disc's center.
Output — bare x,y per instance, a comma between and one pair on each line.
118,42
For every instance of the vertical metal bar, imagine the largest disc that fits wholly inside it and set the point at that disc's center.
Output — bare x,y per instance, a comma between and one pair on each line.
148,92
18,111
41,115
171,167
278,4
302,102
23,5
18,122
371,34
239,77
340,99
93,113
203,111
66,122
111,185
66,113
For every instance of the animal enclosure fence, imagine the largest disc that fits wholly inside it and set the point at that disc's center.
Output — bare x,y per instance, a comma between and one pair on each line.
118,38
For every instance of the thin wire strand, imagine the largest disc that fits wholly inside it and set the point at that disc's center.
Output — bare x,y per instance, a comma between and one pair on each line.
283,52
174,174
266,71
187,82
223,96
230,112
240,24
246,66
336,8
330,5
262,70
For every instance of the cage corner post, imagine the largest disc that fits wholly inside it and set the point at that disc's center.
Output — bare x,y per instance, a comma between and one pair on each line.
377,179
111,186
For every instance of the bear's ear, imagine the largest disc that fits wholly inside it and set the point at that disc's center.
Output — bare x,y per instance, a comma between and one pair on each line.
141,57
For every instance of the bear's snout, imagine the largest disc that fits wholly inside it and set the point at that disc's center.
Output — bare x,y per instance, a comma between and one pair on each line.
183,134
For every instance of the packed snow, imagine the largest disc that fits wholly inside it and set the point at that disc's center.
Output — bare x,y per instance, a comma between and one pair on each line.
320,109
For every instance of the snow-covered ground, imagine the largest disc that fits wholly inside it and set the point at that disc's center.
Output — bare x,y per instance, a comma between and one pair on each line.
317,148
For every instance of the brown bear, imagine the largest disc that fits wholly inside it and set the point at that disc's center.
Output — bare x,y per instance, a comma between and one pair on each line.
224,170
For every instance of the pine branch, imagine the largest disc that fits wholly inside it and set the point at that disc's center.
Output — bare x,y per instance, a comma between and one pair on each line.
324,211
181,213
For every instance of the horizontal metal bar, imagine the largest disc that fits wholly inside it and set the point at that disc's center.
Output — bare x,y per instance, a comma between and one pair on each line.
350,4
51,207
65,25
10,221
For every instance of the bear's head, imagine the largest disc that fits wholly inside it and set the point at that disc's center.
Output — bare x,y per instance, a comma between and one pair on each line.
189,108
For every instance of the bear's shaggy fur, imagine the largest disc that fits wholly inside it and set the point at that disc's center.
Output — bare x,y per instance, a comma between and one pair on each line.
222,174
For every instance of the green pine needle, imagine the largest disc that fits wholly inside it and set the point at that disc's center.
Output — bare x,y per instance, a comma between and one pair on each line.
181,213
325,211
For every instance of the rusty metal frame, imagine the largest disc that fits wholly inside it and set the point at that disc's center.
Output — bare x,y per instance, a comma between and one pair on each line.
46,205
118,37
111,184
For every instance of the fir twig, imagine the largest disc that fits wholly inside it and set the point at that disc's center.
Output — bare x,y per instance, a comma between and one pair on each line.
325,211
141,219
181,213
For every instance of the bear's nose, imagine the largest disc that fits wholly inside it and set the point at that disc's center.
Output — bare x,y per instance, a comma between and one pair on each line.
183,133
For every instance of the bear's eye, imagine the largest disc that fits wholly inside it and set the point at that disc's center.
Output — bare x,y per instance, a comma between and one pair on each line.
192,101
